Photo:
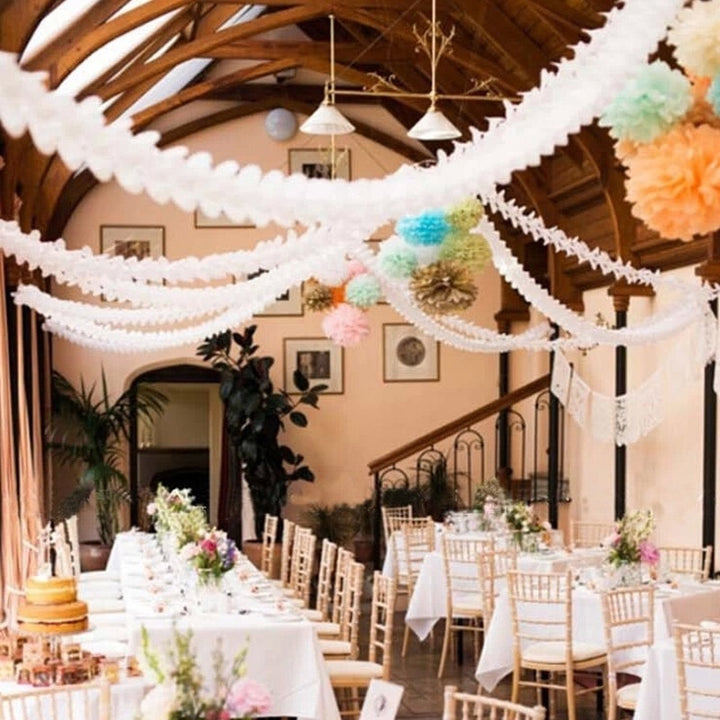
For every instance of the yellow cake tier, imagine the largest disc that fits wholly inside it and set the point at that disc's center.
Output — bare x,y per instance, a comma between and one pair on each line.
61,618
50,590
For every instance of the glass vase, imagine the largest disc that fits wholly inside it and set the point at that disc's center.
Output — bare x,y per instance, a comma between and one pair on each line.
628,574
211,596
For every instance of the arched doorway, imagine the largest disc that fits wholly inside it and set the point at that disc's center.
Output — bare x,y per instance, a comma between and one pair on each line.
185,448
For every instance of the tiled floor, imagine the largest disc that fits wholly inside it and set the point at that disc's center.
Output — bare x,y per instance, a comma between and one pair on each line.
417,672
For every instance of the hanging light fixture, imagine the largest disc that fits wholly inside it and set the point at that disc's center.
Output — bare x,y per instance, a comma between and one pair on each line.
327,119
433,125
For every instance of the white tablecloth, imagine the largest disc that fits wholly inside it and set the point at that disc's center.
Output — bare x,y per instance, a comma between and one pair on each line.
284,656
428,602
659,696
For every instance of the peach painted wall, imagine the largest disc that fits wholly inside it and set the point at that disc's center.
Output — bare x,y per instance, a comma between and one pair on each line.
371,417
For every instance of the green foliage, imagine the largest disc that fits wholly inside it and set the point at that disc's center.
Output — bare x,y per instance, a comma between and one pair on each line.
90,431
254,413
438,489
337,523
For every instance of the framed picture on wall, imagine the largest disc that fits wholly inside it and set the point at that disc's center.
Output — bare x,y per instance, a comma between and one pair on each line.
319,359
289,304
318,162
409,355
128,241
221,221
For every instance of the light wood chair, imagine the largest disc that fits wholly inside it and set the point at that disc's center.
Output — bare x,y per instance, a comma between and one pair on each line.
629,616
269,536
90,701
397,541
418,541
286,552
404,512
697,650
686,560
463,594
321,611
463,706
355,675
494,563
331,629
301,570
541,607
71,532
590,534
345,644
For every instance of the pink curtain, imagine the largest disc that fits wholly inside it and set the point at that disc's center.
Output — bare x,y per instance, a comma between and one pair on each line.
30,516
10,532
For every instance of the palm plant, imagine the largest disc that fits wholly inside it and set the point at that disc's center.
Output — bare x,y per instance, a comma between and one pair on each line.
91,431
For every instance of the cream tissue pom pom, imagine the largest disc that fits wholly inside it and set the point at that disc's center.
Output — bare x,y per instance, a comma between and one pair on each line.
695,37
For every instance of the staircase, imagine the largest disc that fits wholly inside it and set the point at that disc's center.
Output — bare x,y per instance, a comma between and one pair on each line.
442,469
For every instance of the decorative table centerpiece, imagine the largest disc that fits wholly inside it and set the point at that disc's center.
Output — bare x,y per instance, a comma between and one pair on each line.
525,525
630,547
180,690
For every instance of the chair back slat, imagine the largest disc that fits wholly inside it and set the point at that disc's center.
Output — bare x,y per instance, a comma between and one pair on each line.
381,621
697,650
686,560
590,534
464,706
269,536
325,577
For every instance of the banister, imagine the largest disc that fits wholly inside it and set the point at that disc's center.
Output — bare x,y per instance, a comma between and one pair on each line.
455,426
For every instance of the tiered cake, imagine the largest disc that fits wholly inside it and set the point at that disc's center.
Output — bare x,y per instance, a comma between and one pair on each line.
51,607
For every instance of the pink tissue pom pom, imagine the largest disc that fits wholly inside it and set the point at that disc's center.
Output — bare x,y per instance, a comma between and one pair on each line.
346,325
353,268
248,698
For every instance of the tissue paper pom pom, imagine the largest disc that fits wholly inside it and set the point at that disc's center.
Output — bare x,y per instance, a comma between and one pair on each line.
443,287
674,182
472,251
695,35
317,296
353,268
465,215
346,325
713,94
430,228
338,294
649,105
363,291
397,260
625,149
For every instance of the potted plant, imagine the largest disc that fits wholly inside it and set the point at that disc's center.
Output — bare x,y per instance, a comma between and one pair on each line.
254,415
364,538
90,431
337,523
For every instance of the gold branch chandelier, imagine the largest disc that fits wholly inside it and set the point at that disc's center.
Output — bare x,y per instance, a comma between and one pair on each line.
433,125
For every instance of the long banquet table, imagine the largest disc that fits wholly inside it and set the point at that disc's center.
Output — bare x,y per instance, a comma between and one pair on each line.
282,649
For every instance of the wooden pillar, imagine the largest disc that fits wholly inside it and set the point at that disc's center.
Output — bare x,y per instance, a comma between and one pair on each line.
553,447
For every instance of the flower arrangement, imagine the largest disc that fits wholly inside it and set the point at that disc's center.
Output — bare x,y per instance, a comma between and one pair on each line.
521,518
174,514
490,502
212,555
629,543
178,694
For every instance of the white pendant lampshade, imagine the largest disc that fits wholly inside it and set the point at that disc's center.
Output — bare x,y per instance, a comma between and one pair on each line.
433,125
327,120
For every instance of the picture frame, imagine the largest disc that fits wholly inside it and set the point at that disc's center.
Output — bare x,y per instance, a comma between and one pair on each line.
320,360
203,221
128,241
289,304
317,162
409,355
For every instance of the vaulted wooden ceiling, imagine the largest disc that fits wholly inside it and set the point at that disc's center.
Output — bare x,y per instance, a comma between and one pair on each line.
249,64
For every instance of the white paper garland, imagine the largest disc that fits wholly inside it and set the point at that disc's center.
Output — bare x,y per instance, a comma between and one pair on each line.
561,105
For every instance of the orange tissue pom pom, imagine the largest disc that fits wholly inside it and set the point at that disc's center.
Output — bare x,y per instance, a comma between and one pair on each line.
674,182
338,295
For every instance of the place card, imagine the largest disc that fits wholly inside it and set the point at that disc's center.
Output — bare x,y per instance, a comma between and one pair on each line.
382,701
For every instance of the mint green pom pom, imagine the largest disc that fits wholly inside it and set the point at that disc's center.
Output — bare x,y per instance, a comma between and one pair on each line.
649,105
471,251
363,291
397,261
465,215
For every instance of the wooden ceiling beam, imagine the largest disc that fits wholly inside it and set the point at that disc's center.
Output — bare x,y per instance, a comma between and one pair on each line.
197,47
486,17
200,90
139,55
478,65
567,13
19,20
345,52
